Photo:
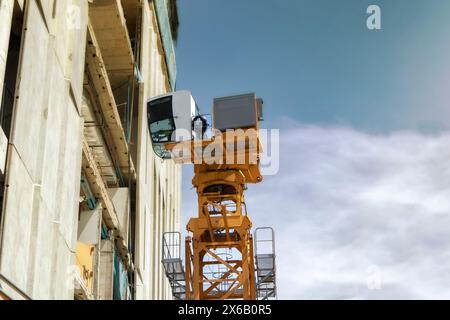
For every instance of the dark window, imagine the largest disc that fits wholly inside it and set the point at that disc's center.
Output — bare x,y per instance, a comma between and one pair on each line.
160,118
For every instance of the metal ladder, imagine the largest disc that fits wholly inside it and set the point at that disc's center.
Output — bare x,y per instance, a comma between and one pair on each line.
173,265
266,285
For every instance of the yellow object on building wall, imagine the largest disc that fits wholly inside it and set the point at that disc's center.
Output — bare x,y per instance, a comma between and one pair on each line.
85,264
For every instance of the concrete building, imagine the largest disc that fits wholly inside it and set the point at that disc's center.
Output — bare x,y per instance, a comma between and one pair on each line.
84,200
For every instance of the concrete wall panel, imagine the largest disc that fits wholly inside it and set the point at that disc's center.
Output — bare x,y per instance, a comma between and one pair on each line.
157,180
42,248
16,238
106,270
6,11
30,105
41,208
55,114
70,22
69,179
77,53
47,7
41,211
63,269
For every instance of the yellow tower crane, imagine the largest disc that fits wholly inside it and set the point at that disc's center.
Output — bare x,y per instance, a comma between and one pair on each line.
220,260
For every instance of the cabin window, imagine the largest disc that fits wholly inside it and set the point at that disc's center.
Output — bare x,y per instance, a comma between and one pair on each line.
162,124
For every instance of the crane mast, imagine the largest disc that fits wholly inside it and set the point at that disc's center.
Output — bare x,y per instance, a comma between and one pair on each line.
222,224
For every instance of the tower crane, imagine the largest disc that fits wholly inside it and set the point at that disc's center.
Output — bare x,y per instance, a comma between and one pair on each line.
223,259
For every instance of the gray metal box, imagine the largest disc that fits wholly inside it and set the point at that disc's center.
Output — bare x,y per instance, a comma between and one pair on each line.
235,112
260,108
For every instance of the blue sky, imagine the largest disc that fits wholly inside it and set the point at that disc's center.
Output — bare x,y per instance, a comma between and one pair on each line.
363,191
316,61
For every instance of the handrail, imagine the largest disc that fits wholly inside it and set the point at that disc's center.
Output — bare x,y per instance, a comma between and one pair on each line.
271,239
14,287
171,243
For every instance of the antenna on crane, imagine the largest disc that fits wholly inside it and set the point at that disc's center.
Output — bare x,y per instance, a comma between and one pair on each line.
220,260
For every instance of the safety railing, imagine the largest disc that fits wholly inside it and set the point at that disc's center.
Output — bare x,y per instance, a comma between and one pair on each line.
173,265
266,285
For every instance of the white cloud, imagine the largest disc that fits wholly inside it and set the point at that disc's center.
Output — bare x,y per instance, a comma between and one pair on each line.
346,203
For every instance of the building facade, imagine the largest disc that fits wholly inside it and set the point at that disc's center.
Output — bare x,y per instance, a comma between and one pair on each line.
84,200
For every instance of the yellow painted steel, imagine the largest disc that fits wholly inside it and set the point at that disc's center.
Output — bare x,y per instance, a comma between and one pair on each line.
222,222
85,264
